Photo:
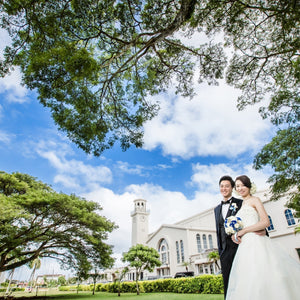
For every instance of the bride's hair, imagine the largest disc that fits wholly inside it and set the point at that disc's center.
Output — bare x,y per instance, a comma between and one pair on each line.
245,180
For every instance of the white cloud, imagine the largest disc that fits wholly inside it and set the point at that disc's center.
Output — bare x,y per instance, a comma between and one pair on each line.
67,181
72,173
206,177
140,170
166,207
209,124
5,138
125,167
11,84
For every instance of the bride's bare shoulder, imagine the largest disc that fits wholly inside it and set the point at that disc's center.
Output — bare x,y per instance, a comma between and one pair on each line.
253,201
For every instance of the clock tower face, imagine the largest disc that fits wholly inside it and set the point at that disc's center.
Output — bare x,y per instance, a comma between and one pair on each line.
142,218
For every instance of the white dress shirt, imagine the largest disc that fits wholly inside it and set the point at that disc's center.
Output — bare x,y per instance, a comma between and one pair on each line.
225,208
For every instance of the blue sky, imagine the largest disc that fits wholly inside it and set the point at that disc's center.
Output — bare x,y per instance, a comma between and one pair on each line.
188,147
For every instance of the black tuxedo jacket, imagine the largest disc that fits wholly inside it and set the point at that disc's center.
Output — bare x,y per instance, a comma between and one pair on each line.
227,248
224,240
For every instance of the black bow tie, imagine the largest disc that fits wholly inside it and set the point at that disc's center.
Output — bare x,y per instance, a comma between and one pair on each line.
225,202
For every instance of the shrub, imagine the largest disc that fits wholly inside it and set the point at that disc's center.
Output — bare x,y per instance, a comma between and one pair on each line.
203,284
81,287
67,288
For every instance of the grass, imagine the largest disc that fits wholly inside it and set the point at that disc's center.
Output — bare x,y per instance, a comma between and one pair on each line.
51,294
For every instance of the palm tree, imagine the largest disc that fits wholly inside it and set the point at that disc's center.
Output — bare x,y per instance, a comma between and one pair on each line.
10,277
34,265
214,257
186,264
118,276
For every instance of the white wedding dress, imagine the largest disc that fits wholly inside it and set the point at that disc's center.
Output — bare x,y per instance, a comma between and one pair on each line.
261,269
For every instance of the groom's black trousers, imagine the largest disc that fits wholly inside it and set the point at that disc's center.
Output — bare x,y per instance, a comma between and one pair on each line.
226,263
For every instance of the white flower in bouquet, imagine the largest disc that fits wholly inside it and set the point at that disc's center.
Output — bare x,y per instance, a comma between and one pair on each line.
233,224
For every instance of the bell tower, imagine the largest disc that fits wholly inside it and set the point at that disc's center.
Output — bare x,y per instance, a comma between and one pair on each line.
139,234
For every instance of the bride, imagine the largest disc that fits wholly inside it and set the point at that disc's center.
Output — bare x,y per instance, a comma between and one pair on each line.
261,269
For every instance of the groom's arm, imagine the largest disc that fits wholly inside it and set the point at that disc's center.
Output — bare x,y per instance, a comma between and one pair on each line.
262,232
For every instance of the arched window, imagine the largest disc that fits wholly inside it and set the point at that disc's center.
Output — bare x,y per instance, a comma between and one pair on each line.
163,250
271,227
210,241
198,242
289,217
177,252
182,250
204,241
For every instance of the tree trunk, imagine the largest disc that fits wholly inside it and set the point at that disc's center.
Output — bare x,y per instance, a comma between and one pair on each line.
137,283
94,287
119,287
137,287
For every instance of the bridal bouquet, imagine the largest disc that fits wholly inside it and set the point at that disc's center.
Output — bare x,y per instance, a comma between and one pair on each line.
233,224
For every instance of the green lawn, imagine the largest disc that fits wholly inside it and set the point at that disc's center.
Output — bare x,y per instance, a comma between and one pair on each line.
128,296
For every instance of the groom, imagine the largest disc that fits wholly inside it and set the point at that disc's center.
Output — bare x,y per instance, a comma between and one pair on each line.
228,207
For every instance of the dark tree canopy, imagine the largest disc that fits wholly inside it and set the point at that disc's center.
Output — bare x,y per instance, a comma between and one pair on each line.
94,63
282,153
37,222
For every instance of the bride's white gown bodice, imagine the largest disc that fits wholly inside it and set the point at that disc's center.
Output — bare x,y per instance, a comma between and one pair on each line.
261,269
248,215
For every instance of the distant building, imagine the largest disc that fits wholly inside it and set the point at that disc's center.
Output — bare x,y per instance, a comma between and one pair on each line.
40,280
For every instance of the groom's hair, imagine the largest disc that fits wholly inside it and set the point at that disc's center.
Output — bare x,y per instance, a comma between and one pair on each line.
227,177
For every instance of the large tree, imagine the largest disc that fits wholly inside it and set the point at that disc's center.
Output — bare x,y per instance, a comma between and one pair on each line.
282,153
37,222
94,63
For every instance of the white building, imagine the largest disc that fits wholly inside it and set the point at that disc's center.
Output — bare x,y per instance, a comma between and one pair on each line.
187,243
43,279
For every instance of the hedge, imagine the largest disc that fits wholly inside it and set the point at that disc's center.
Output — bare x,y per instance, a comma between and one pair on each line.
81,287
203,284
13,289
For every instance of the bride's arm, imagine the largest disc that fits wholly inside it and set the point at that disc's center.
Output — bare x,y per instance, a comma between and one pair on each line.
263,216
